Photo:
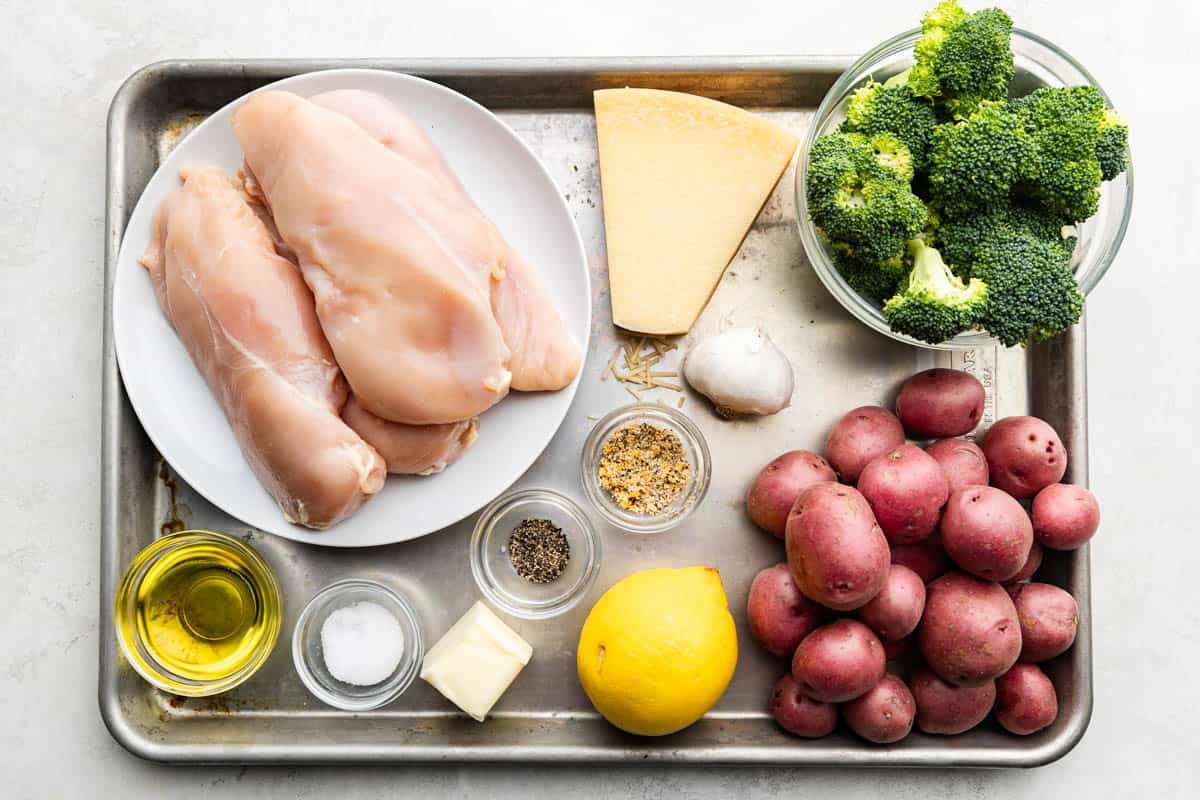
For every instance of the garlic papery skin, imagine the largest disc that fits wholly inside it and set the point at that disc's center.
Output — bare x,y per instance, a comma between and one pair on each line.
741,371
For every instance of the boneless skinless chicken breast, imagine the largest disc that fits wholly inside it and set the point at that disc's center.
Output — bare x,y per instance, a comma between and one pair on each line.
412,449
390,256
247,319
407,449
543,354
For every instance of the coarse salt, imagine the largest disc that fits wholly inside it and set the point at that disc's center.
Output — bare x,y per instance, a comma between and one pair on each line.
363,643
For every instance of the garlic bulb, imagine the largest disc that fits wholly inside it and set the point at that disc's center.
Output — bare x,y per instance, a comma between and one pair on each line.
741,371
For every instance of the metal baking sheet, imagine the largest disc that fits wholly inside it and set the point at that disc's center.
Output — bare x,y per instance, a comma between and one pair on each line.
545,716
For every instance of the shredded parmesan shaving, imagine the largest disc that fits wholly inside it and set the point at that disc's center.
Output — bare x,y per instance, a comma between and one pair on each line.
612,360
634,364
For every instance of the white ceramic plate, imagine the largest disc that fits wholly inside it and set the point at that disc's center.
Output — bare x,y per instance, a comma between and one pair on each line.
185,423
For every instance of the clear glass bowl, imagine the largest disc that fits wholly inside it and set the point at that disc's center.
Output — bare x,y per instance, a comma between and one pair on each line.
695,449
492,567
213,548
309,657
1038,63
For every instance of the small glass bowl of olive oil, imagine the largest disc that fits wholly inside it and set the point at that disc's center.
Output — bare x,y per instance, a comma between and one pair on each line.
197,613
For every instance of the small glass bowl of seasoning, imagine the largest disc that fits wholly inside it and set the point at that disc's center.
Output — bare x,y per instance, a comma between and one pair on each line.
197,613
534,553
646,467
357,645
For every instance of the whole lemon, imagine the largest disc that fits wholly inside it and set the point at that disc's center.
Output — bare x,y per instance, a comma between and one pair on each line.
658,649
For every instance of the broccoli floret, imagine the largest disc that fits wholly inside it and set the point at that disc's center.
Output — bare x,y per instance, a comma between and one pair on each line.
1071,188
1032,293
961,239
935,27
976,162
1023,254
857,193
1065,120
876,279
893,155
933,304
892,109
963,59
1112,150
1065,126
931,227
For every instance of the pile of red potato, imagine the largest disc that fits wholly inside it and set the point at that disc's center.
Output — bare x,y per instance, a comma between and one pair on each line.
932,553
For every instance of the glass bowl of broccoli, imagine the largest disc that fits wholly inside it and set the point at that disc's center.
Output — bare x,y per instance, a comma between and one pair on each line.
964,184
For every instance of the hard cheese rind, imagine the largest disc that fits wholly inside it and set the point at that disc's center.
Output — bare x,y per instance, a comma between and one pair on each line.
683,178
476,661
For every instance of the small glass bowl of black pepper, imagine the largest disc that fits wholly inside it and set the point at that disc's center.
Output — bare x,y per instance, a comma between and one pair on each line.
646,467
534,553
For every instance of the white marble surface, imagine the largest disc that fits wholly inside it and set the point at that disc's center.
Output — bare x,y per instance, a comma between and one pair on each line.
60,63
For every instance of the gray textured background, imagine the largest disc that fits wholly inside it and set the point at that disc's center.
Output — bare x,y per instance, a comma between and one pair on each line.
60,63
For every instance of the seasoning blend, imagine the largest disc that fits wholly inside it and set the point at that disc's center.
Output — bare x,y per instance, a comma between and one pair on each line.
644,468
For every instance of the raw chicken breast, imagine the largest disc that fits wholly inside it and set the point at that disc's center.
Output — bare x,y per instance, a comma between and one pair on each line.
391,257
248,322
407,449
412,449
544,356
258,204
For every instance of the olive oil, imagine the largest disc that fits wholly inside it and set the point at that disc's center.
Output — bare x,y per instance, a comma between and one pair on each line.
196,610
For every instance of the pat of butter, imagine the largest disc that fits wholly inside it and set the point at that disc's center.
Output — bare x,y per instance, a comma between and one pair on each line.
476,661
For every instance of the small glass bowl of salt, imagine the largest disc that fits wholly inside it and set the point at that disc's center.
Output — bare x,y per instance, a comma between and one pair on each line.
357,645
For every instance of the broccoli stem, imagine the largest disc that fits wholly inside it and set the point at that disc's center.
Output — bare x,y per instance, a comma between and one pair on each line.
899,79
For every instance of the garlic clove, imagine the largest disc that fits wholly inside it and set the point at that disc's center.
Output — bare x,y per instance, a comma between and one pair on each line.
741,371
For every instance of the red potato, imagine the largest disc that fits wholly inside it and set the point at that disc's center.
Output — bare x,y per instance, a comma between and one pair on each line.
928,558
1032,564
1065,517
1024,455
797,714
986,532
969,633
779,483
940,402
944,708
906,489
837,553
1049,619
895,612
861,435
883,715
1025,700
962,462
779,614
838,662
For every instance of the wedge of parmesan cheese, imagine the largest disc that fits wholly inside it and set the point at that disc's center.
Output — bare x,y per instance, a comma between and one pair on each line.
683,178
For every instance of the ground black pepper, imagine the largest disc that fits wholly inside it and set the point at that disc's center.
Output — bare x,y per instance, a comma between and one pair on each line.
539,550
